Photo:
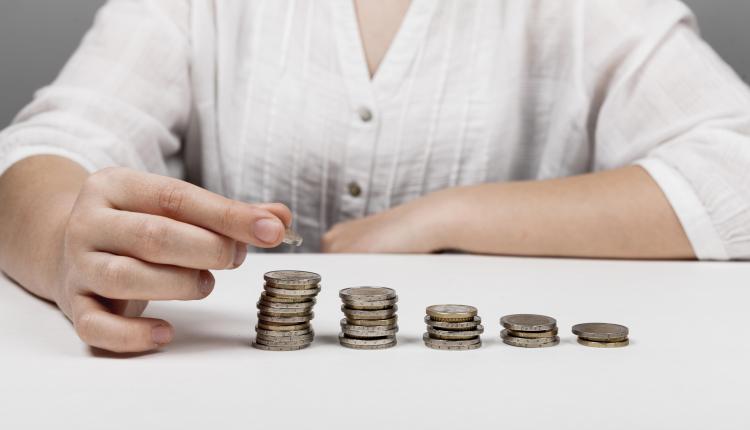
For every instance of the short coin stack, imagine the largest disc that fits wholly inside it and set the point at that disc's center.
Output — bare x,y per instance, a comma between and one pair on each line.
285,310
371,321
602,335
453,328
529,331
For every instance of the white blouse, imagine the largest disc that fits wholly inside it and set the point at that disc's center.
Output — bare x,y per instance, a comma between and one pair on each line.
271,100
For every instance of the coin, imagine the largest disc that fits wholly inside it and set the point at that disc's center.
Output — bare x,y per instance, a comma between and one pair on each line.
292,279
447,325
272,312
528,322
369,315
448,347
373,305
362,294
595,344
452,313
454,334
345,340
280,348
373,323
285,306
601,331
291,340
363,347
282,328
530,343
427,338
281,292
352,331
266,298
292,238
287,320
532,334
288,333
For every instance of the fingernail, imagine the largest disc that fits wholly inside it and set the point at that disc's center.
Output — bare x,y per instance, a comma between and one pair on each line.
161,335
267,230
206,283
240,254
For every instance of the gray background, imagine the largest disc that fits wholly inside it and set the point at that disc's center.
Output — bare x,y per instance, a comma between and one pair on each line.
37,36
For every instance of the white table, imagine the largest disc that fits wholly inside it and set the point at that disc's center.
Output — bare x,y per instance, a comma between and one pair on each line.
688,366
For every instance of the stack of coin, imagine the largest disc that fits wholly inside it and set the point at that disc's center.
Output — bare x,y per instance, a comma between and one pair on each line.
371,321
529,331
453,328
285,310
602,335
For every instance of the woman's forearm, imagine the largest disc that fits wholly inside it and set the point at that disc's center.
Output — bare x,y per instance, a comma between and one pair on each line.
37,195
614,214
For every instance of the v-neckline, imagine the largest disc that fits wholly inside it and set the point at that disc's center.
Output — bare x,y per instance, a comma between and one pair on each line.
400,53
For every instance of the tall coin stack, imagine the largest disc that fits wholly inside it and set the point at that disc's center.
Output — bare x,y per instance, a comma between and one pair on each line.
285,310
602,335
371,321
453,328
529,331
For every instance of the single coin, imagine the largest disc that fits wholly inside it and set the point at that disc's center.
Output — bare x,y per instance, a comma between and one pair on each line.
286,320
447,325
352,331
374,305
371,347
282,327
281,292
292,238
285,306
363,294
446,347
296,340
532,334
373,323
528,322
344,339
452,313
273,312
530,343
368,328
595,344
292,279
427,338
455,334
279,348
369,315
288,333
285,299
601,331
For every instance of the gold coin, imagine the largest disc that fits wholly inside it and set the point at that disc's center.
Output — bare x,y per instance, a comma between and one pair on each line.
596,344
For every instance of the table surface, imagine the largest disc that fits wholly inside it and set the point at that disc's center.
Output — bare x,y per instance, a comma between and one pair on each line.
686,368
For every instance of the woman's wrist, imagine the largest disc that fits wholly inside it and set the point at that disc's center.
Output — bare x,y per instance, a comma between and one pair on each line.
448,213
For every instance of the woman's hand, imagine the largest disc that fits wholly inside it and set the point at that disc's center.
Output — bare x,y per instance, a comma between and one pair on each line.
421,226
133,237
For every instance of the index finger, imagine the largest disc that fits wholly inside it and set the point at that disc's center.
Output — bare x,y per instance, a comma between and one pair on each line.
160,195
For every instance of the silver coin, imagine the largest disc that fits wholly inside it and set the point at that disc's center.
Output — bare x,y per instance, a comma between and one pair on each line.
369,315
283,341
365,347
530,343
453,347
373,323
455,334
351,331
281,292
433,341
282,327
289,333
274,312
285,306
374,305
528,322
532,334
292,279
451,313
279,348
286,320
601,331
266,298
608,344
365,294
447,325
343,339
292,238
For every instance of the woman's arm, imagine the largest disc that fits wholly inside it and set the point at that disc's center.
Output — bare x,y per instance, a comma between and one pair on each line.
615,214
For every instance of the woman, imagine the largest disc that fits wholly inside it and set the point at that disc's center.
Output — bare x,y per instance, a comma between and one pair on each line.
530,127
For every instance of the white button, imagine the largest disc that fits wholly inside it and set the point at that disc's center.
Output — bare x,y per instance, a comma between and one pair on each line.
365,114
